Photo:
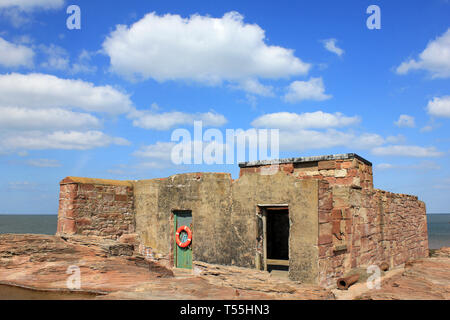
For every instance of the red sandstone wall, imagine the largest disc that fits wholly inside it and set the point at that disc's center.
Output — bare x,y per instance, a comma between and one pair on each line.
367,227
95,207
358,225
351,172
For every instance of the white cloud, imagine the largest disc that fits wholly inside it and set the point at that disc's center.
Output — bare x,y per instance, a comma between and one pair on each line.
291,138
57,58
435,58
439,107
312,139
83,64
405,121
13,118
293,121
28,5
330,45
43,163
297,134
306,90
46,91
384,166
407,151
159,151
168,120
199,48
301,140
13,55
427,128
40,111
64,140
255,87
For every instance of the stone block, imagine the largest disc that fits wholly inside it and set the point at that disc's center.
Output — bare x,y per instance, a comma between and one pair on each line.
327,165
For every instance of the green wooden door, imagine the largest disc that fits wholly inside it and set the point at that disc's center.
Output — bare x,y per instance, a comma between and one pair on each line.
183,256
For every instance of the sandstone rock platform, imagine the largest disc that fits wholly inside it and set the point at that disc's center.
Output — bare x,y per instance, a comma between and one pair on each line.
112,270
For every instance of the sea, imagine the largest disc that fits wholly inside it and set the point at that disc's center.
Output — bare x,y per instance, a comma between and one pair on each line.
438,226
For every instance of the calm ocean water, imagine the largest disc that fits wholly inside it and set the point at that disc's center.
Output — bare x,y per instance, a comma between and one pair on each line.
37,224
438,226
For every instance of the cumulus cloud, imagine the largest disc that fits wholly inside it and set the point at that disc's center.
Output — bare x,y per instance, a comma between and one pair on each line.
316,130
407,151
57,58
292,121
439,107
330,45
167,120
255,87
45,119
297,133
15,55
312,139
405,121
199,48
435,58
41,111
313,89
38,90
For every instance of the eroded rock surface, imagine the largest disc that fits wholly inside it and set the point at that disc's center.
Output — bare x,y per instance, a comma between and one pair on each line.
112,268
423,279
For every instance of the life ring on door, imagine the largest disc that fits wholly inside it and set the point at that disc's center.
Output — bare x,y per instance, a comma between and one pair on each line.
189,236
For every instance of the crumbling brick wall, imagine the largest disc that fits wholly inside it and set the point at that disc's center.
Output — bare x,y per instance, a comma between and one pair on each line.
359,226
404,227
95,207
367,227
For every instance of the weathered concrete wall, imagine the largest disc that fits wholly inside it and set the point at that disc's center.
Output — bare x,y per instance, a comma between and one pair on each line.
368,227
95,207
301,197
224,217
206,195
146,195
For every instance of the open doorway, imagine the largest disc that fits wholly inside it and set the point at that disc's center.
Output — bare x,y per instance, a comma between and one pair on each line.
276,227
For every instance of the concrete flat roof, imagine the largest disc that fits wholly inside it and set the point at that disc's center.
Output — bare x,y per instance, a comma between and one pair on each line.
344,156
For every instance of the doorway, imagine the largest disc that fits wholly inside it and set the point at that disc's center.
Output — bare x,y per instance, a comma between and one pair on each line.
276,228
182,256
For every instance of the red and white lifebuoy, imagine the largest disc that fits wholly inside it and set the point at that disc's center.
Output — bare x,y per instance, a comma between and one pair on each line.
189,236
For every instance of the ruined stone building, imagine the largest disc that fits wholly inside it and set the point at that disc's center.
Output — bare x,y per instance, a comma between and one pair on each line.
315,217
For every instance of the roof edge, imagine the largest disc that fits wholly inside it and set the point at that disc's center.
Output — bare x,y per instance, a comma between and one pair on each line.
79,180
344,156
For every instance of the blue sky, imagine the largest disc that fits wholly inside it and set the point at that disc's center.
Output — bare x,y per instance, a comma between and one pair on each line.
103,101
